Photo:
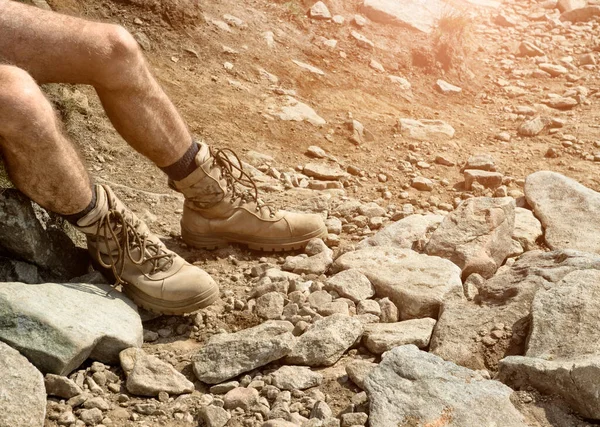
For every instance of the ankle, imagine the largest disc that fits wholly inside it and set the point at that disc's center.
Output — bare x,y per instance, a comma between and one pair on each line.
74,218
184,166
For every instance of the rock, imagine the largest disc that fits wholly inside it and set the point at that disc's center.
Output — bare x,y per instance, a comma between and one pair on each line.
565,318
529,49
309,68
362,41
17,271
553,69
376,66
360,21
316,264
532,127
388,311
561,102
563,205
351,284
410,13
487,179
354,419
447,88
60,336
295,378
416,283
321,411
582,14
270,305
42,242
214,416
576,381
324,172
422,184
297,111
60,386
527,228
476,236
401,82
92,416
368,306
227,355
381,337
22,394
241,397
148,375
503,304
359,370
424,130
483,162
411,232
455,396
319,11
568,5
326,341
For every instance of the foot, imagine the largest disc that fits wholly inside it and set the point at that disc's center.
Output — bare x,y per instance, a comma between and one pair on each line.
222,207
154,277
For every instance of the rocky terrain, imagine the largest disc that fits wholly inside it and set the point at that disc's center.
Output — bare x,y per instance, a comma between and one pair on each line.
452,148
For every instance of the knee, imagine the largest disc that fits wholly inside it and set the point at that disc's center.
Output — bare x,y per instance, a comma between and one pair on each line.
121,58
21,99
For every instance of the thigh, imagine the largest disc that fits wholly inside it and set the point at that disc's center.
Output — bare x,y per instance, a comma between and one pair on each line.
52,47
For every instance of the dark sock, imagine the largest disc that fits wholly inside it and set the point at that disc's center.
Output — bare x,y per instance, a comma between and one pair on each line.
73,218
184,166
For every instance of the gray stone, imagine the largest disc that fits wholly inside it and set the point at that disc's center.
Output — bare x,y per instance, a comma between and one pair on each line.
477,235
410,13
504,302
527,229
214,416
425,130
321,411
532,127
359,370
316,264
270,305
381,337
241,397
17,271
325,341
37,237
576,380
227,355
417,284
484,162
411,232
354,419
22,394
368,306
421,183
324,172
568,211
57,385
98,322
388,311
351,284
92,416
148,375
295,378
319,11
455,396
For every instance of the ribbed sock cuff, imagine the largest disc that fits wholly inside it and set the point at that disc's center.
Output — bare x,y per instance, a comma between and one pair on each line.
74,218
184,166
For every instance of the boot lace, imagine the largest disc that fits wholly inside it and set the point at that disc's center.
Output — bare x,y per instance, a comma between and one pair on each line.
236,177
118,227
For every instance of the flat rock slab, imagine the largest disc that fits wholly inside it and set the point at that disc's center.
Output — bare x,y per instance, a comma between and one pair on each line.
67,323
424,130
565,318
412,232
324,172
416,283
351,284
569,211
417,14
326,341
294,110
479,335
412,387
295,378
227,355
22,392
577,381
381,337
148,375
477,235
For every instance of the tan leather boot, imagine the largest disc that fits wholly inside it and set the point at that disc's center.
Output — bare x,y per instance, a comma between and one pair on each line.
222,207
154,277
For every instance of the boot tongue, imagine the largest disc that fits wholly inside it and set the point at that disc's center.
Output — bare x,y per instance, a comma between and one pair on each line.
100,209
203,154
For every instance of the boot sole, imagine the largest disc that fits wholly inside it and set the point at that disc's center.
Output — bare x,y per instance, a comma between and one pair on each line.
210,242
160,306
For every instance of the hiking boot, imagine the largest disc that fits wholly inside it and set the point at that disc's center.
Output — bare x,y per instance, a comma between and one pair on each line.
222,206
154,277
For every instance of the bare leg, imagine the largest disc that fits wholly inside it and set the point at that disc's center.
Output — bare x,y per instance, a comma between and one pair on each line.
56,48
41,162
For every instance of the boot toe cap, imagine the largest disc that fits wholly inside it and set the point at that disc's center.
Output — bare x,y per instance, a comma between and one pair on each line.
305,225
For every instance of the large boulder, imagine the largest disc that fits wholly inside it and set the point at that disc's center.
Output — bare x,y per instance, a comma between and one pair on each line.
569,211
478,334
31,234
421,16
412,387
411,232
22,392
227,355
58,326
477,235
416,283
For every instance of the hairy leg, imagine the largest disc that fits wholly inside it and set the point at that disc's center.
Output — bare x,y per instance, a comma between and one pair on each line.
39,159
56,48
